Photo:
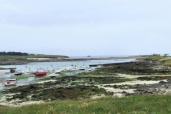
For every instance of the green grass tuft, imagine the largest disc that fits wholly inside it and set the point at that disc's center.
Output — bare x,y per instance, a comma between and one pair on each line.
126,105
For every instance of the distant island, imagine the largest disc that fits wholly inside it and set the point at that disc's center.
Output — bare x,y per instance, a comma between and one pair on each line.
17,58
12,58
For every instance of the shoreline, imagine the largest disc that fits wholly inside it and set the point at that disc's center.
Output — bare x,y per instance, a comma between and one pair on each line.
142,77
22,62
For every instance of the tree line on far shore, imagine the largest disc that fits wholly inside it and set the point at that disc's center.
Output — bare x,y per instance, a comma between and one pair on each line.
13,54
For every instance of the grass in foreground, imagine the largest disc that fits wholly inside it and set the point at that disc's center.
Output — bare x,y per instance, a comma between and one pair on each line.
127,105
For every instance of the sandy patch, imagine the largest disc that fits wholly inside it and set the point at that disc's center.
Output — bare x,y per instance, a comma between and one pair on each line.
15,104
46,81
38,59
136,82
120,92
137,76
98,96
117,92
129,76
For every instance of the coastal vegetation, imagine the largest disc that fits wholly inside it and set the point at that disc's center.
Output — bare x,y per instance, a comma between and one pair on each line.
13,54
12,58
164,59
21,77
141,86
150,104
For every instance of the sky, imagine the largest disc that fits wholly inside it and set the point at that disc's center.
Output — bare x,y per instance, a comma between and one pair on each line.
86,27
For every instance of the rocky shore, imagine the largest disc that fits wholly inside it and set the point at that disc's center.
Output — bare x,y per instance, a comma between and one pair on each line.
121,79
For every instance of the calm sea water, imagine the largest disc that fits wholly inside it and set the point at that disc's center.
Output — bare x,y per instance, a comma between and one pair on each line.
50,66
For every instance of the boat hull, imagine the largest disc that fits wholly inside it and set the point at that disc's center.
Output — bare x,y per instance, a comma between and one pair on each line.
40,74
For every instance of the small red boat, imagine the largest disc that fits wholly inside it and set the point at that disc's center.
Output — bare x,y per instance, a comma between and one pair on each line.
40,74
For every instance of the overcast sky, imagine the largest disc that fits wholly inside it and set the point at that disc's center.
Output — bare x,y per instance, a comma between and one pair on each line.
86,27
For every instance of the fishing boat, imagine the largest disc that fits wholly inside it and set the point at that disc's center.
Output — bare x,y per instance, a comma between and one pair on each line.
82,69
40,74
59,71
10,82
18,73
53,75
12,70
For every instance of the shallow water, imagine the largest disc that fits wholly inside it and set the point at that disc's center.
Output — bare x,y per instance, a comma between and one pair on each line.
51,66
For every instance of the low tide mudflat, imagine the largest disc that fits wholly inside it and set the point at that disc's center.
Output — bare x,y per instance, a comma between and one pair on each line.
143,86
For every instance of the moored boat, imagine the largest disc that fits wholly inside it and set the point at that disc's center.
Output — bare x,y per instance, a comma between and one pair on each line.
57,72
40,74
18,74
10,82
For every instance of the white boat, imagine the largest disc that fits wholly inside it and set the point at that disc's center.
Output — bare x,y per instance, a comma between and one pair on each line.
53,75
10,82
